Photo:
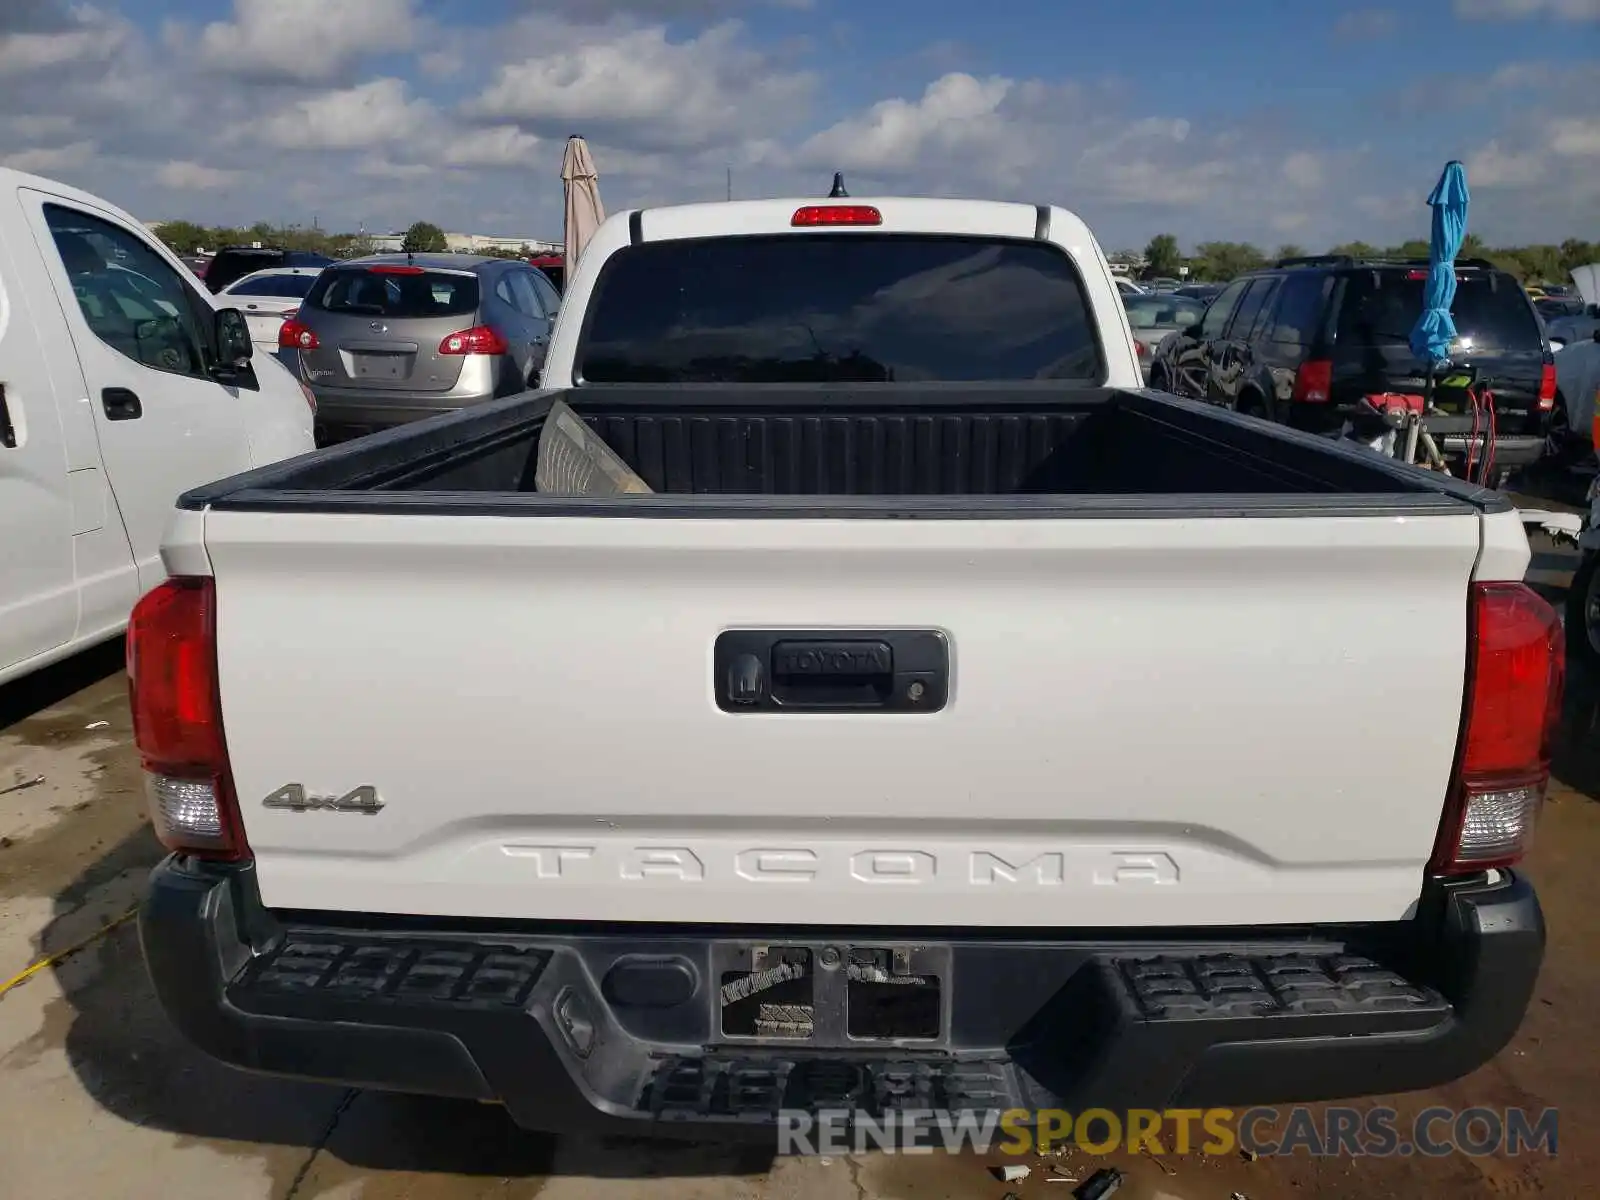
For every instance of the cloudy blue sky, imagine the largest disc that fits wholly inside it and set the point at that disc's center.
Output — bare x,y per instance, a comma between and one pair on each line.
1238,119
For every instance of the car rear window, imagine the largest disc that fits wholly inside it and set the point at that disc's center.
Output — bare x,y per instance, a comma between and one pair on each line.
878,308
1490,309
1164,311
379,293
295,287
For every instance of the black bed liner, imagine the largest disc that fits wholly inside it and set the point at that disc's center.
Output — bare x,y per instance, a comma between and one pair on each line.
946,451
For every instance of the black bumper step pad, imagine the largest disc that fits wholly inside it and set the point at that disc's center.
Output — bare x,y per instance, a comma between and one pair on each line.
1232,986
426,972
755,1088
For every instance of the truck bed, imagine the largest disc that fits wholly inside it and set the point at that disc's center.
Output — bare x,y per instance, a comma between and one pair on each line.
812,450
1191,669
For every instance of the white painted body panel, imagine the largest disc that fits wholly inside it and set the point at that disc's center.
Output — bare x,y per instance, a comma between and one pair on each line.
1203,722
1182,721
84,500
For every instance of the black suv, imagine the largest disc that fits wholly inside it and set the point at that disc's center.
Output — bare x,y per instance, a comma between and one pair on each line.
235,262
1302,342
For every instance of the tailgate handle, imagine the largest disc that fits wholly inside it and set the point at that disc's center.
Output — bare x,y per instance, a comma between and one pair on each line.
904,671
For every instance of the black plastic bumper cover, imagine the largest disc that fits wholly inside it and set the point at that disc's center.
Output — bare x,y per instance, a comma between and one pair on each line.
540,1022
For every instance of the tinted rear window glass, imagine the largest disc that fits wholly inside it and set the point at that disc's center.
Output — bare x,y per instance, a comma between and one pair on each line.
290,286
1380,307
1164,312
371,293
856,307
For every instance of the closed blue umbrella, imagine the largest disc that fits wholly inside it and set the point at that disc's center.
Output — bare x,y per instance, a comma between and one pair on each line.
1435,330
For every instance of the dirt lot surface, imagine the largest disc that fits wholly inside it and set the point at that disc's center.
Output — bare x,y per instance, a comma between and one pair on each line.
99,1097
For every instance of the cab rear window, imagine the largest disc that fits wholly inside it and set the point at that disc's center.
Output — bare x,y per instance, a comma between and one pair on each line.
871,308
362,292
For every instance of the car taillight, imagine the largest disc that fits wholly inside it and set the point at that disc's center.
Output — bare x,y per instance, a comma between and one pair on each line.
1141,349
294,336
1547,387
408,270
177,720
1313,382
480,339
813,215
1516,668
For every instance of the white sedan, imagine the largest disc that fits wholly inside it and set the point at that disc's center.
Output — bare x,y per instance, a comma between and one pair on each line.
268,298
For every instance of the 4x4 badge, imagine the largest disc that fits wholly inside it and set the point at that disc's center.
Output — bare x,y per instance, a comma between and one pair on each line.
295,798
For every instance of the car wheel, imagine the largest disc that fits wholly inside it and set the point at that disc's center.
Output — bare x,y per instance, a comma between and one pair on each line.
1158,380
1583,614
1252,404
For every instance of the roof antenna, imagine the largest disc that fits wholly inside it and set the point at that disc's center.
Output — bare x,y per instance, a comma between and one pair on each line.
838,187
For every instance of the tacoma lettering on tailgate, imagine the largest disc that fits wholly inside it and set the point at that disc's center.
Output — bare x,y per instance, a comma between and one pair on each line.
893,868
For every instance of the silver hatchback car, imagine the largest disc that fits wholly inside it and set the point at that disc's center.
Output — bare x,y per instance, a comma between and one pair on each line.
396,337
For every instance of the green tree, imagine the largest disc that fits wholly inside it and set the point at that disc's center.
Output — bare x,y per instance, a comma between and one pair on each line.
1162,257
1291,250
1358,250
185,237
1222,261
424,237
1578,253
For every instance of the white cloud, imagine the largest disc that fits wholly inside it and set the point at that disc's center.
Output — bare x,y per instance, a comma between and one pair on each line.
45,160
957,115
1303,170
305,40
94,36
370,114
637,88
183,176
495,146
1511,10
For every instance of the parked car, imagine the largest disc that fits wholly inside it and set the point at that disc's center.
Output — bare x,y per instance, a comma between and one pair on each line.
1206,292
554,267
1127,287
235,262
812,763
268,298
122,384
398,337
1552,308
1152,316
1304,343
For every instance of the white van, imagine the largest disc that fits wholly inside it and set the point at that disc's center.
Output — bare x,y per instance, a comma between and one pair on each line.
123,383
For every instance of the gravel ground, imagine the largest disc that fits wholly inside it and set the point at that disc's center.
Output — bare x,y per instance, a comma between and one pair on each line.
98,1096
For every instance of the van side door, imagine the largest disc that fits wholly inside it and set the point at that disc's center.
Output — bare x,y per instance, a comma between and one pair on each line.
144,335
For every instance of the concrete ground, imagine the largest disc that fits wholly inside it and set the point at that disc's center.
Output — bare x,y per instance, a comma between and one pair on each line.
100,1098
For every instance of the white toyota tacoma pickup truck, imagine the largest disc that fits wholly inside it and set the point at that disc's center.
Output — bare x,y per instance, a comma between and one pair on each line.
928,717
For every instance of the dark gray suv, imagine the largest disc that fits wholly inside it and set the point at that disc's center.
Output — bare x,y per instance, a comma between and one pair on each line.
394,338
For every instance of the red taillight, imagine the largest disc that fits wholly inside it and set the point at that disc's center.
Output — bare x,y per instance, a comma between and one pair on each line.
1547,387
813,215
177,720
397,270
480,339
1416,274
1516,668
294,336
1141,349
1313,382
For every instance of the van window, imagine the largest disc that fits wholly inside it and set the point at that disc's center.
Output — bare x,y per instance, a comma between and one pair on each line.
131,299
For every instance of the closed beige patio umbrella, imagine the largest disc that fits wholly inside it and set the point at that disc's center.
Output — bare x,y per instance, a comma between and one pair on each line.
584,210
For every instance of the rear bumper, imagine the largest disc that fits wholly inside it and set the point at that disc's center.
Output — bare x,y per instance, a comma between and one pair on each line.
618,1030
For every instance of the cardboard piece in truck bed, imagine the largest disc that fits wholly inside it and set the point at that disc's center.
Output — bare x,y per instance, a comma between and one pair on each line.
574,461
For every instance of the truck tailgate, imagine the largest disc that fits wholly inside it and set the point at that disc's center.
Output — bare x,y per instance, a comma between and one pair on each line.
1207,721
